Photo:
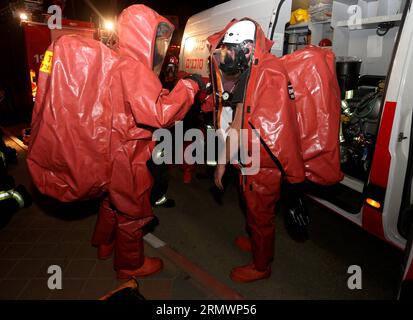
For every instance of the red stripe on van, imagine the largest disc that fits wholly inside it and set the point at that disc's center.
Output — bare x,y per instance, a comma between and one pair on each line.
409,275
372,218
372,221
381,159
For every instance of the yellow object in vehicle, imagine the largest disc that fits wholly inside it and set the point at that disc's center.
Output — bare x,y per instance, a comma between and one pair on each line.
46,65
298,16
33,82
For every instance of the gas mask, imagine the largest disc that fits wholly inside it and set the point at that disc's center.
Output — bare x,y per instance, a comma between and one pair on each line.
233,58
163,38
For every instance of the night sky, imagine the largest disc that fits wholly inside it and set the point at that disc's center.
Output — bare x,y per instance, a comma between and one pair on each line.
78,9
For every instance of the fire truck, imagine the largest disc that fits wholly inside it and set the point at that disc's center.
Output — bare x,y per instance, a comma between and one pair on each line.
372,41
25,36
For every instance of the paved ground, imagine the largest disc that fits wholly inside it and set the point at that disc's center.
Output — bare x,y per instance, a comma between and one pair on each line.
315,269
198,256
48,234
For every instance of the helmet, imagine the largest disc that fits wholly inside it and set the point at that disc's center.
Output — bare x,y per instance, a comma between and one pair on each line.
173,60
234,49
240,32
325,43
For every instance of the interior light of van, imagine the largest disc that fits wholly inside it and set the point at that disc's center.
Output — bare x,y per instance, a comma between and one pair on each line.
373,203
23,16
189,44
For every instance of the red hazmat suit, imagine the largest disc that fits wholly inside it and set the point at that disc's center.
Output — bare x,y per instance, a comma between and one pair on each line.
268,108
286,132
92,127
312,73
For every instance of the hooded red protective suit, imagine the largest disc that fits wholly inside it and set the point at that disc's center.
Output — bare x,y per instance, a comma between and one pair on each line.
92,127
282,118
269,108
317,97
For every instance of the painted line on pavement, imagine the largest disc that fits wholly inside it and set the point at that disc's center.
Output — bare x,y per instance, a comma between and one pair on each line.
154,241
213,285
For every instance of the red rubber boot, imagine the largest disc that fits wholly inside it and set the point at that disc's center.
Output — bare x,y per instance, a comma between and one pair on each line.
187,176
248,273
105,251
150,266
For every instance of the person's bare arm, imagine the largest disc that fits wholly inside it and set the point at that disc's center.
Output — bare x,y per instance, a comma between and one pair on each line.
229,153
236,131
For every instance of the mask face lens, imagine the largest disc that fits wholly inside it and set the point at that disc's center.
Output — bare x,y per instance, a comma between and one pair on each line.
224,52
227,53
227,59
163,38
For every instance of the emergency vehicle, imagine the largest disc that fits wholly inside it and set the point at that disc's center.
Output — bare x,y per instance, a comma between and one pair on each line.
25,37
373,43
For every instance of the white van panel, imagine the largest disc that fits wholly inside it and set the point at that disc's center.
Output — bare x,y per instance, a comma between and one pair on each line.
399,90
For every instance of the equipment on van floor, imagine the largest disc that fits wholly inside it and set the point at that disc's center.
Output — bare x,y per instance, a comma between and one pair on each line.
360,118
348,72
